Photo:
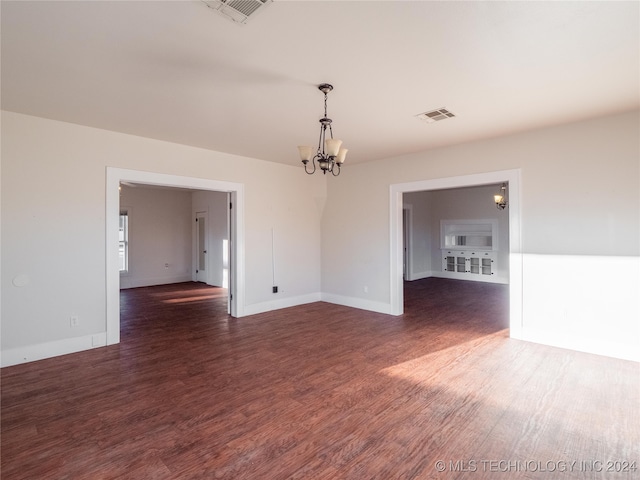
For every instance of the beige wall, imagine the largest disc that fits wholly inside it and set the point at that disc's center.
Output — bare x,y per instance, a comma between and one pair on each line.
580,209
579,216
53,227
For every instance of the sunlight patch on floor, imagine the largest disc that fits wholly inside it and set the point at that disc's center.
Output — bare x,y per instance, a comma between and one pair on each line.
197,298
427,370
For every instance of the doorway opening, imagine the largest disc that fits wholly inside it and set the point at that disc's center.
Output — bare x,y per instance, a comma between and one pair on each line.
397,227
235,245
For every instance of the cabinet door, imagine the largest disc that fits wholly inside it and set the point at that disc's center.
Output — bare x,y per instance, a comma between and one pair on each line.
486,266
451,264
474,265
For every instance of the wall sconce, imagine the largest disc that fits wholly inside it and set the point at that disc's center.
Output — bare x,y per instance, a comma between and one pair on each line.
501,197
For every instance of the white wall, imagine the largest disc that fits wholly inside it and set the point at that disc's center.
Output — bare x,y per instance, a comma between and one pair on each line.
580,215
160,236
53,228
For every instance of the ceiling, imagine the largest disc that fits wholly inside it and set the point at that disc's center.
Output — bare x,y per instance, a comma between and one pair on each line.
179,71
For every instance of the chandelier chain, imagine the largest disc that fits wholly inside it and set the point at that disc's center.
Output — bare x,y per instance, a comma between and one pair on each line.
325,104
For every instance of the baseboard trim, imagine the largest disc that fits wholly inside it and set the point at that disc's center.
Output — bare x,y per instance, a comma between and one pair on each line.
359,303
32,353
582,344
150,282
353,302
280,303
419,276
470,276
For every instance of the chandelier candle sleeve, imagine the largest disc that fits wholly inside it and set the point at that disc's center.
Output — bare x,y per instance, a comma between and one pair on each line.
333,146
305,152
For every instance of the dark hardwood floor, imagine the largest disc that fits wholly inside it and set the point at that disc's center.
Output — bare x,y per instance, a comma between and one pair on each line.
321,391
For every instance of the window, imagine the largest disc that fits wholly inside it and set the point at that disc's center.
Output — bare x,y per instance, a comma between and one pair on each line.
123,241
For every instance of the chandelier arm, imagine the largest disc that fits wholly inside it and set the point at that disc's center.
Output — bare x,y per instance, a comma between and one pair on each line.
313,161
333,170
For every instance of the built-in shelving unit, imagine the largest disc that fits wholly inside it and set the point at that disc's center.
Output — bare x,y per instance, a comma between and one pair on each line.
469,248
474,263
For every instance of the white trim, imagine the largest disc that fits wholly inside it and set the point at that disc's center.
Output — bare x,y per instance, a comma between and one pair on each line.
281,303
128,211
152,281
236,253
407,235
470,277
113,178
581,344
515,246
32,353
396,293
421,275
360,303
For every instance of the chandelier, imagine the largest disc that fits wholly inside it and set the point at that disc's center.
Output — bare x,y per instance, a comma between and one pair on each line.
330,156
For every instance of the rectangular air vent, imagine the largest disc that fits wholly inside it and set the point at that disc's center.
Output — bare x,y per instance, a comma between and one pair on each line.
237,10
435,115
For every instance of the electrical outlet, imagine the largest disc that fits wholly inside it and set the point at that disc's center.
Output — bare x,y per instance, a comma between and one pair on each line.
275,289
366,289
73,321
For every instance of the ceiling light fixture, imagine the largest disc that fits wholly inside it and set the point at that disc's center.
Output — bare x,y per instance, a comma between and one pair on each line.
330,156
501,197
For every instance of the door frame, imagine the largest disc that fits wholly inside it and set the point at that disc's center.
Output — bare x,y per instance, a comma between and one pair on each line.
407,241
112,211
512,178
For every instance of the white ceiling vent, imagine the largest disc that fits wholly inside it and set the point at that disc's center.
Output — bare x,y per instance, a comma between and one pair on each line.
237,10
435,115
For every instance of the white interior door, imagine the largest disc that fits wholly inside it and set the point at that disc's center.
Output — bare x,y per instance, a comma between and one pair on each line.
202,267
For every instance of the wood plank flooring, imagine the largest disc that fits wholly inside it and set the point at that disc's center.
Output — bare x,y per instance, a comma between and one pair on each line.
321,391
